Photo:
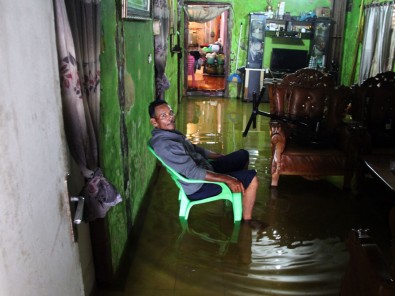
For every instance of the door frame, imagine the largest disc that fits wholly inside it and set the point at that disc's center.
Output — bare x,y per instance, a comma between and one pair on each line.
227,52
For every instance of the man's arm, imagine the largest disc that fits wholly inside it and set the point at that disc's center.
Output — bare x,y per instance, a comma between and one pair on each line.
234,184
214,155
208,154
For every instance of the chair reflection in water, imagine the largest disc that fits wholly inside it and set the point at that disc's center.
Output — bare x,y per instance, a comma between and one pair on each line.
214,236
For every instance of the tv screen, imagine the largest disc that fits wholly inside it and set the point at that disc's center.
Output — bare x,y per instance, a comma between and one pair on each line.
288,60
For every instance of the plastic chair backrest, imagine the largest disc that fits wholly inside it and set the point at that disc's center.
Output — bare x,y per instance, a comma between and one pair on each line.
174,174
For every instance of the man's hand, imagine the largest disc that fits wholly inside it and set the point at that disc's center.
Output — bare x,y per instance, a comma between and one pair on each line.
234,184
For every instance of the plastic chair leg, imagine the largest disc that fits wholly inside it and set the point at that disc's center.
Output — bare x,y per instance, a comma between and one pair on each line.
184,206
237,207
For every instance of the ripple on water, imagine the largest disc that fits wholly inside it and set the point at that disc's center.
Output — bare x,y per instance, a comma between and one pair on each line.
257,263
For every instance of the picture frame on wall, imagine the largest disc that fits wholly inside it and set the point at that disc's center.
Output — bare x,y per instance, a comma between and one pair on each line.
136,9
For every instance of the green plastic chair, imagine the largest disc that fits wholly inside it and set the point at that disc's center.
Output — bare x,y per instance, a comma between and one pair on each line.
186,204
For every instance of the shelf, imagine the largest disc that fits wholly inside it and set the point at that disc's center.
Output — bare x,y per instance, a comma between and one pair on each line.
287,34
289,29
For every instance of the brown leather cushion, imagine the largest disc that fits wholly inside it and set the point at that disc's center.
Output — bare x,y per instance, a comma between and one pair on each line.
306,103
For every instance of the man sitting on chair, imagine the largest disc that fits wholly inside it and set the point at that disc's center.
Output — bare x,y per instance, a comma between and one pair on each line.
192,161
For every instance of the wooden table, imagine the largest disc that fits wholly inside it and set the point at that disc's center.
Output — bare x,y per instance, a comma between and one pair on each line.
380,166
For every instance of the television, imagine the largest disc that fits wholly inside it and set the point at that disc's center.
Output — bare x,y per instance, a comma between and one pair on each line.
288,60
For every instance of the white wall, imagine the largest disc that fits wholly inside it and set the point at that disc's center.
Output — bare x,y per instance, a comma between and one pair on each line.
37,255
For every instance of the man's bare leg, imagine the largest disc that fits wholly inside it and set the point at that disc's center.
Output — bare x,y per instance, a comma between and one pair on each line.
249,197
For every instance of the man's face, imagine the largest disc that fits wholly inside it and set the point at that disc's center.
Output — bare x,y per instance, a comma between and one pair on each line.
164,118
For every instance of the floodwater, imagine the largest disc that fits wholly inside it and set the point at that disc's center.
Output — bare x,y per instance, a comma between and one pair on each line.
299,249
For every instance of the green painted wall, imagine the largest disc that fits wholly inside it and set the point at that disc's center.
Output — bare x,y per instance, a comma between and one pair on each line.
349,47
171,95
127,82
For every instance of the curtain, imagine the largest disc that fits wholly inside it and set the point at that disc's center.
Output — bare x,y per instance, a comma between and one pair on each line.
392,50
380,59
376,47
368,45
204,13
78,45
161,14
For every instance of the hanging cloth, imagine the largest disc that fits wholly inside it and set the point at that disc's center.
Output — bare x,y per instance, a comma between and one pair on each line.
204,13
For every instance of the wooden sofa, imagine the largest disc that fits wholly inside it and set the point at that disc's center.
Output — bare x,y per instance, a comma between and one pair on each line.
373,107
310,137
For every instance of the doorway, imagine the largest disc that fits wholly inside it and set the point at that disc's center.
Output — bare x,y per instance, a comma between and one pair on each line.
206,50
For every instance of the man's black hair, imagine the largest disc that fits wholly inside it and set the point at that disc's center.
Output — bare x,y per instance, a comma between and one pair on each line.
153,105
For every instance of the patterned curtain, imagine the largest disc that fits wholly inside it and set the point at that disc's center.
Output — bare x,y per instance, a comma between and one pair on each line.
78,44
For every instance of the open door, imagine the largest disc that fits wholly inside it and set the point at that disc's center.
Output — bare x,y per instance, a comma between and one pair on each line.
206,62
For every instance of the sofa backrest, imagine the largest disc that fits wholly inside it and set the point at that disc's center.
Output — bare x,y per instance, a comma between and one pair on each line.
373,106
310,95
308,78
306,103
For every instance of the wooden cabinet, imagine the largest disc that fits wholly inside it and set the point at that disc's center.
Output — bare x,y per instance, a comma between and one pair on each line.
256,45
320,44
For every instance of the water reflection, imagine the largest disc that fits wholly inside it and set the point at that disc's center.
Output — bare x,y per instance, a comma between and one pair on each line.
300,252
259,261
216,237
204,122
